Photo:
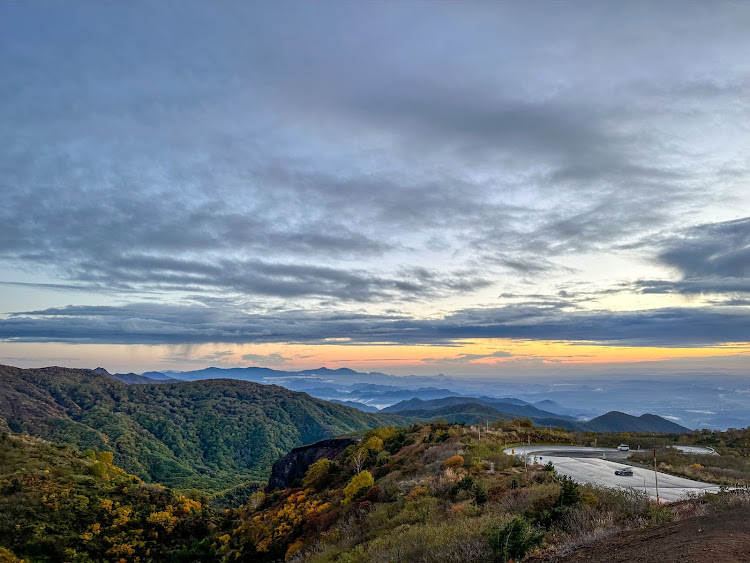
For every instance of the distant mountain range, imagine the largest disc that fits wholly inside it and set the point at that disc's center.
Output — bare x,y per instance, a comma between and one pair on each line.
422,402
412,399
713,401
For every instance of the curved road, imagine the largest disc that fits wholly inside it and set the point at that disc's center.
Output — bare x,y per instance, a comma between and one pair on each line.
586,465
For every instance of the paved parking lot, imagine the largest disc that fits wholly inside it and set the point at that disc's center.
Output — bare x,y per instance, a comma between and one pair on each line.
586,465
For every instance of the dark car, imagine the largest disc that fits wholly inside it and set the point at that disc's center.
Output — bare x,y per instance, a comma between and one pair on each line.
625,471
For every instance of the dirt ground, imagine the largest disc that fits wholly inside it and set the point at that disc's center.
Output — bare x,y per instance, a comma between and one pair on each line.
713,538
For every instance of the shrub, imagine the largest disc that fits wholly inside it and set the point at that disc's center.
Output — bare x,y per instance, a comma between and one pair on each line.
375,494
660,514
454,462
513,540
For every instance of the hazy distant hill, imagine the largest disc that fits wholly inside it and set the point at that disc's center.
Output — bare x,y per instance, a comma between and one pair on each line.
158,376
523,410
474,413
208,434
615,421
356,405
135,379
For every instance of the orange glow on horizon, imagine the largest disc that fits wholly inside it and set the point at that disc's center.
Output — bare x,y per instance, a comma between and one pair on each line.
462,357
479,353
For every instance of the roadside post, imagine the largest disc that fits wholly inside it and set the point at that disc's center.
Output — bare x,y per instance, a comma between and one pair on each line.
656,479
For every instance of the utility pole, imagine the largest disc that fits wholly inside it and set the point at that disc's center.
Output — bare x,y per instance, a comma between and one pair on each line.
656,479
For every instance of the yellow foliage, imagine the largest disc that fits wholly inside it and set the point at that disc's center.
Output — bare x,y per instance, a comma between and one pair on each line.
294,548
187,505
360,481
272,526
105,457
386,433
8,557
122,549
122,516
374,444
106,504
164,518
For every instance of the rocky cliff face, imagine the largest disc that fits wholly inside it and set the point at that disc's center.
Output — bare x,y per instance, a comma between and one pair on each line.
294,465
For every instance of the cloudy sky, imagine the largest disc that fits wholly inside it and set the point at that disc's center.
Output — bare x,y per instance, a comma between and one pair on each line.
466,188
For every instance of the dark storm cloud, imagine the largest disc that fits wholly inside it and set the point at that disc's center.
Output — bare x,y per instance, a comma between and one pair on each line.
710,258
159,324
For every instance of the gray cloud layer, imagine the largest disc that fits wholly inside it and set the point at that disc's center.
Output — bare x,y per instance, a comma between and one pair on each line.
161,324
367,156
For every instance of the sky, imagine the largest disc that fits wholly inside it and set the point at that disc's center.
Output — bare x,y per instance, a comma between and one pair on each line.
489,189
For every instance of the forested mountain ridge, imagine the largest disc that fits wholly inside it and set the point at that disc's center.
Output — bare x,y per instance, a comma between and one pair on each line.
210,434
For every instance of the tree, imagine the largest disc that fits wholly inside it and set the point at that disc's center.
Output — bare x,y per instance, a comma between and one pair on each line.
358,459
105,457
362,480
316,472
374,444
513,540
569,493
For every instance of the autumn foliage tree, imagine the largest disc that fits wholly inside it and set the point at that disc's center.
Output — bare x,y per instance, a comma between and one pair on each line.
363,480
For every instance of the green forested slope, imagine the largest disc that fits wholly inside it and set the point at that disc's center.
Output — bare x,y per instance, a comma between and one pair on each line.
210,434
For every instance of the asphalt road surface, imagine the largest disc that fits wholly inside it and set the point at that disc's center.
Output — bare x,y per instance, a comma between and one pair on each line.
586,465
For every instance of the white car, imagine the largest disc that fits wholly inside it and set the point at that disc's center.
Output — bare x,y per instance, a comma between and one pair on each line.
623,447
